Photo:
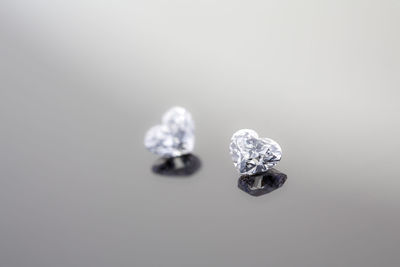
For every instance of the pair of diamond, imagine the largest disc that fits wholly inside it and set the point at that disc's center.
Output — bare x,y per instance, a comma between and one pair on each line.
175,137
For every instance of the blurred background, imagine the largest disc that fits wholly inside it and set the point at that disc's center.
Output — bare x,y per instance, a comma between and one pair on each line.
82,81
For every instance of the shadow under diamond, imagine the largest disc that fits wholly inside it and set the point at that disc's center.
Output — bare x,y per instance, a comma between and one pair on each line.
263,183
185,165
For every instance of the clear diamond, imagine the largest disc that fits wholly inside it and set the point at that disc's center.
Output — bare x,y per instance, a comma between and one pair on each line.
174,137
251,154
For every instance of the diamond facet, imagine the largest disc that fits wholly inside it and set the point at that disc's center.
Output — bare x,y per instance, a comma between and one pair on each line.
251,154
174,137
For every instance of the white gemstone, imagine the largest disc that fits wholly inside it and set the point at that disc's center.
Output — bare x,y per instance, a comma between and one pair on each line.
174,137
251,154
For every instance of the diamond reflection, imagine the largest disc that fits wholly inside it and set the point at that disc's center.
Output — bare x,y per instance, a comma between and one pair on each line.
263,183
177,166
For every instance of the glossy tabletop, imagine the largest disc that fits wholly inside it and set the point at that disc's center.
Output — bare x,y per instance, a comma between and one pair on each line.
82,81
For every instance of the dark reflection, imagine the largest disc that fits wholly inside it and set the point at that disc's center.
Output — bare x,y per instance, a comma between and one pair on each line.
177,166
263,183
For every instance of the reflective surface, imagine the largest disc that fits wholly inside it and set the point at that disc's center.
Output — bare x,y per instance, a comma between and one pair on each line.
82,81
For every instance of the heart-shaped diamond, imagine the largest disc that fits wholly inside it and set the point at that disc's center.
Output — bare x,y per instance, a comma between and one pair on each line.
174,137
251,154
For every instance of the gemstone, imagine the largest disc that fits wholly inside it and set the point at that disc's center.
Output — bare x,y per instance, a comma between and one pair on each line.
260,184
174,136
177,166
253,155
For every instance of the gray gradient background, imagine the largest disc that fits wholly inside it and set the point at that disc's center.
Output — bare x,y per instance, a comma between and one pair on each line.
81,81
